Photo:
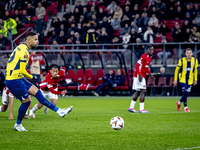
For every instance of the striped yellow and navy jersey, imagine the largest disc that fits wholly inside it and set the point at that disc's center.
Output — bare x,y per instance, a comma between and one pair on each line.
16,66
188,70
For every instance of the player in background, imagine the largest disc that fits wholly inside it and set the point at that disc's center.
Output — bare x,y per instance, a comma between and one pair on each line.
7,99
187,76
49,87
139,81
20,87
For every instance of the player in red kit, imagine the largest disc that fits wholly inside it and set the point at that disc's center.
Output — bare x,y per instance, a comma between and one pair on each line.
139,82
49,87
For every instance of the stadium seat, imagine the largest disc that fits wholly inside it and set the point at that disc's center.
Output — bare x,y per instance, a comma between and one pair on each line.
125,87
122,2
33,18
21,12
130,77
151,82
171,85
156,51
116,33
98,79
89,76
162,81
11,12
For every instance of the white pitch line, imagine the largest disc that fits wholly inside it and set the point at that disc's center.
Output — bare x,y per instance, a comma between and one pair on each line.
185,148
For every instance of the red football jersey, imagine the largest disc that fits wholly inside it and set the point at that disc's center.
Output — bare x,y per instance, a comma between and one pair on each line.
142,65
50,83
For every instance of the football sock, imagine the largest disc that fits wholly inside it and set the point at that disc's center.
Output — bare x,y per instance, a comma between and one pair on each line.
0,108
184,99
179,102
30,111
34,108
141,106
45,102
132,104
22,111
26,112
185,108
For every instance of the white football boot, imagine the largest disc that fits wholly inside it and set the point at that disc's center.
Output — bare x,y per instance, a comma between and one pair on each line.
19,127
65,111
46,110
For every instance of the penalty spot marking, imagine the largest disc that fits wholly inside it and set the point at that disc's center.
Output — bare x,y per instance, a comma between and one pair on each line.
185,148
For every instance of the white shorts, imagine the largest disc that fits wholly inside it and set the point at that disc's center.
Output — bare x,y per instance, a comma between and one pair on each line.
49,95
137,85
5,96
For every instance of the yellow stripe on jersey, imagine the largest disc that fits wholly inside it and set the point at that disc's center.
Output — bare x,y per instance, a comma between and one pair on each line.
16,66
184,68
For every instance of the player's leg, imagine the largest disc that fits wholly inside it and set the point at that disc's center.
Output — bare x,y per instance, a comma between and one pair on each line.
133,102
142,98
178,103
5,102
187,93
100,88
109,89
53,98
11,99
3,108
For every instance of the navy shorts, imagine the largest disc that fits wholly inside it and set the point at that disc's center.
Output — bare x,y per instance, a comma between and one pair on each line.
186,87
19,88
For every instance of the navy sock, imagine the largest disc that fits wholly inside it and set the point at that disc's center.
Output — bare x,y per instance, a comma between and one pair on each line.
45,102
184,99
22,111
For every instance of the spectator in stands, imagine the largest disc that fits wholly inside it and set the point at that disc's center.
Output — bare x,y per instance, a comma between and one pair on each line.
179,15
103,38
153,22
140,34
160,6
197,19
116,22
149,35
54,45
80,29
188,17
43,75
145,10
139,49
116,40
101,14
94,20
69,42
163,29
19,23
126,40
44,3
61,38
152,3
127,12
186,25
73,28
110,15
112,6
10,5
92,12
51,29
62,28
107,81
125,29
133,35
53,37
2,81
40,27
30,10
10,26
95,6
77,15
193,39
119,11
7,15
125,20
196,33
71,35
16,15
167,51
137,20
3,42
177,33
195,10
187,35
144,21
19,5
2,11
1,23
105,24
86,5
134,26
189,9
68,14
135,11
118,80
85,13
90,37
40,10
55,22
153,11
24,17
169,15
78,39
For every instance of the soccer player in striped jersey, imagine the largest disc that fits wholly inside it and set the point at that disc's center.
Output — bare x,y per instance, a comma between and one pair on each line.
187,77
20,87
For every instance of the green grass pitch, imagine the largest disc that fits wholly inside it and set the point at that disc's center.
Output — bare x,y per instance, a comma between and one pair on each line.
87,127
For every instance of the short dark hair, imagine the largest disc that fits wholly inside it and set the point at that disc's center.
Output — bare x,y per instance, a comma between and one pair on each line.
188,49
54,66
30,34
149,46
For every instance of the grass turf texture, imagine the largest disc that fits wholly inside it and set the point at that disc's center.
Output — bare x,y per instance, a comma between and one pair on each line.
88,126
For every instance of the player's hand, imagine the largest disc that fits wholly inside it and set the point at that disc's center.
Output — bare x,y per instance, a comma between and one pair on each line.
34,77
140,78
152,76
175,83
195,83
63,92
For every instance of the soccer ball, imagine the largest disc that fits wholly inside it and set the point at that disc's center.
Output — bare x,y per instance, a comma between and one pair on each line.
117,123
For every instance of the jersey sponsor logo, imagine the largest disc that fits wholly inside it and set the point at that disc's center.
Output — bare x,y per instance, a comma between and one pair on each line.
25,56
187,69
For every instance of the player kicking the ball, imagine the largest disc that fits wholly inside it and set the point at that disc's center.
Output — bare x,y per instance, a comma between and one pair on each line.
20,87
49,87
139,82
7,99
